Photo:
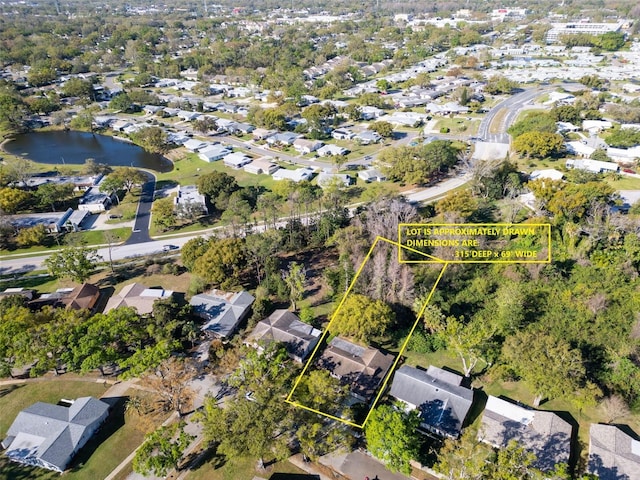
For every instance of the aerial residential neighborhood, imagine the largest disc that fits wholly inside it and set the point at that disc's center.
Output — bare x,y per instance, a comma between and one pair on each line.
320,240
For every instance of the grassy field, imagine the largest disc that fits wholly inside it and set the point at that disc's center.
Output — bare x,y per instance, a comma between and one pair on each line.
623,182
120,435
457,125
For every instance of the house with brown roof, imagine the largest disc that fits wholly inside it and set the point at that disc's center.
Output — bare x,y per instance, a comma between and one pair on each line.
541,432
361,368
613,453
84,296
283,326
137,296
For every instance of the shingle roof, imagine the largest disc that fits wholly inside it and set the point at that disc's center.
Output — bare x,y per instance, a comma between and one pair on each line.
437,394
362,368
613,454
137,296
544,433
81,297
223,311
49,435
283,326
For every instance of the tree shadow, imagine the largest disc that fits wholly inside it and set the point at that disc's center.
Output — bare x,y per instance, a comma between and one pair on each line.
294,476
7,389
112,424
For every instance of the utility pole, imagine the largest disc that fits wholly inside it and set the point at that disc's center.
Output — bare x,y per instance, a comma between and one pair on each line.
57,6
206,9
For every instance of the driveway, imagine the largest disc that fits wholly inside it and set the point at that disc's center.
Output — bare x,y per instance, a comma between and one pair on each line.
143,216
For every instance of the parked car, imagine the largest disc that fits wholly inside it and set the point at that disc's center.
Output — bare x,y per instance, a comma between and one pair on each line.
168,248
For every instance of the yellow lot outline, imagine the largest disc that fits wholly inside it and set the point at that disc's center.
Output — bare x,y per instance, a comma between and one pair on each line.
333,317
432,259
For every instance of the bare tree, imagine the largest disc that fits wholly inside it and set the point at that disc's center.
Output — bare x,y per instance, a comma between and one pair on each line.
170,384
614,407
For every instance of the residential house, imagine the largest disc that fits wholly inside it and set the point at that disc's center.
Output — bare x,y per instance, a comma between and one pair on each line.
443,403
326,179
244,128
222,311
333,150
624,155
94,200
406,119
284,138
367,137
151,109
361,368
593,166
54,222
137,296
596,126
579,149
285,327
305,146
342,134
82,297
549,174
188,116
189,199
543,433
446,108
371,176
215,152
194,145
613,453
48,436
120,125
262,165
298,175
370,113
262,133
236,160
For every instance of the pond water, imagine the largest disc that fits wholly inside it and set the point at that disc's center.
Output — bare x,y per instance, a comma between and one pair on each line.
71,147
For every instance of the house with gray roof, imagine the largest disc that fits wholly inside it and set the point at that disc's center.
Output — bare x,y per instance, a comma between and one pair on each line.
541,432
48,436
361,368
613,453
443,403
285,327
222,311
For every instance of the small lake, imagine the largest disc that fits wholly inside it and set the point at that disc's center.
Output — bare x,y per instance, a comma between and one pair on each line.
60,147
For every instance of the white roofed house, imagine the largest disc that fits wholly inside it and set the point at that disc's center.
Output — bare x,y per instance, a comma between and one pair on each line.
371,176
305,146
367,137
370,113
593,166
579,149
333,150
236,160
298,175
285,138
215,152
194,145
48,436
326,179
188,201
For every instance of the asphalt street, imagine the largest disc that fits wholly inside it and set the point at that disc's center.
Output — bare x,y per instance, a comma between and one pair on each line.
143,217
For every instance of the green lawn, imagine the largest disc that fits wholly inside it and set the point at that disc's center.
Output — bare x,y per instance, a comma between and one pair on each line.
114,442
458,125
623,183
239,468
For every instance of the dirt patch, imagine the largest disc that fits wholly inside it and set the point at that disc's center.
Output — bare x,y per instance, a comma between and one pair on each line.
316,262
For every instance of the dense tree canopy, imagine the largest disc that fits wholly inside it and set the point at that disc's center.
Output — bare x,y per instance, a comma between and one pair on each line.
421,164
